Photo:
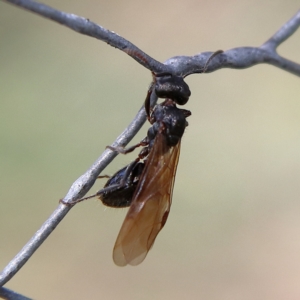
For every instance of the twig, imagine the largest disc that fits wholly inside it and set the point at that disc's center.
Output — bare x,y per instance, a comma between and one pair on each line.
78,189
11,295
86,27
237,58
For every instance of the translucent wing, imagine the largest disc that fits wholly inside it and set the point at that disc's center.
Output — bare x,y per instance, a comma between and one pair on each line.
150,207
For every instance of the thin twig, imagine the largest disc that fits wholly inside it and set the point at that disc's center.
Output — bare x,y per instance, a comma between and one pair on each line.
78,189
11,295
242,57
87,27
237,58
284,32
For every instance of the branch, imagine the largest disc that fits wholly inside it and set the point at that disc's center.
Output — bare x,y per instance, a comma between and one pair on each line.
243,57
11,295
86,27
78,189
237,58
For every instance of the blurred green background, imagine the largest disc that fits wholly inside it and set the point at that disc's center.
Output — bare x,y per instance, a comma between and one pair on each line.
234,228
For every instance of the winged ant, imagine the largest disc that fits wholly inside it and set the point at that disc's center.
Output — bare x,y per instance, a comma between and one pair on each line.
146,184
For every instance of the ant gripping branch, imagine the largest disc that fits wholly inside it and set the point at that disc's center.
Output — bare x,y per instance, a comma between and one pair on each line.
146,184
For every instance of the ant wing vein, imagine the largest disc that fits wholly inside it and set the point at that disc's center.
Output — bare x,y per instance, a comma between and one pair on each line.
151,203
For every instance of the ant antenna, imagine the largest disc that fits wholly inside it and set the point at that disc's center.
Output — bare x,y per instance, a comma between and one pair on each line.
210,58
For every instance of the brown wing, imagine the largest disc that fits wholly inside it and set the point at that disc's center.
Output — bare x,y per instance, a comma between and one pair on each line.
150,207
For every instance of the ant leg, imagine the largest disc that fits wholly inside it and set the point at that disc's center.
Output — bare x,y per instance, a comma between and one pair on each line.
123,150
163,74
147,100
107,189
103,176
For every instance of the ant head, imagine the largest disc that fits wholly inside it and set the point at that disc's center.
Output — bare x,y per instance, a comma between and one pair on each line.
172,87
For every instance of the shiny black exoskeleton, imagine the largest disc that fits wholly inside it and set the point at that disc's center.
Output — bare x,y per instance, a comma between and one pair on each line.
170,122
172,87
172,118
167,86
118,190
167,119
